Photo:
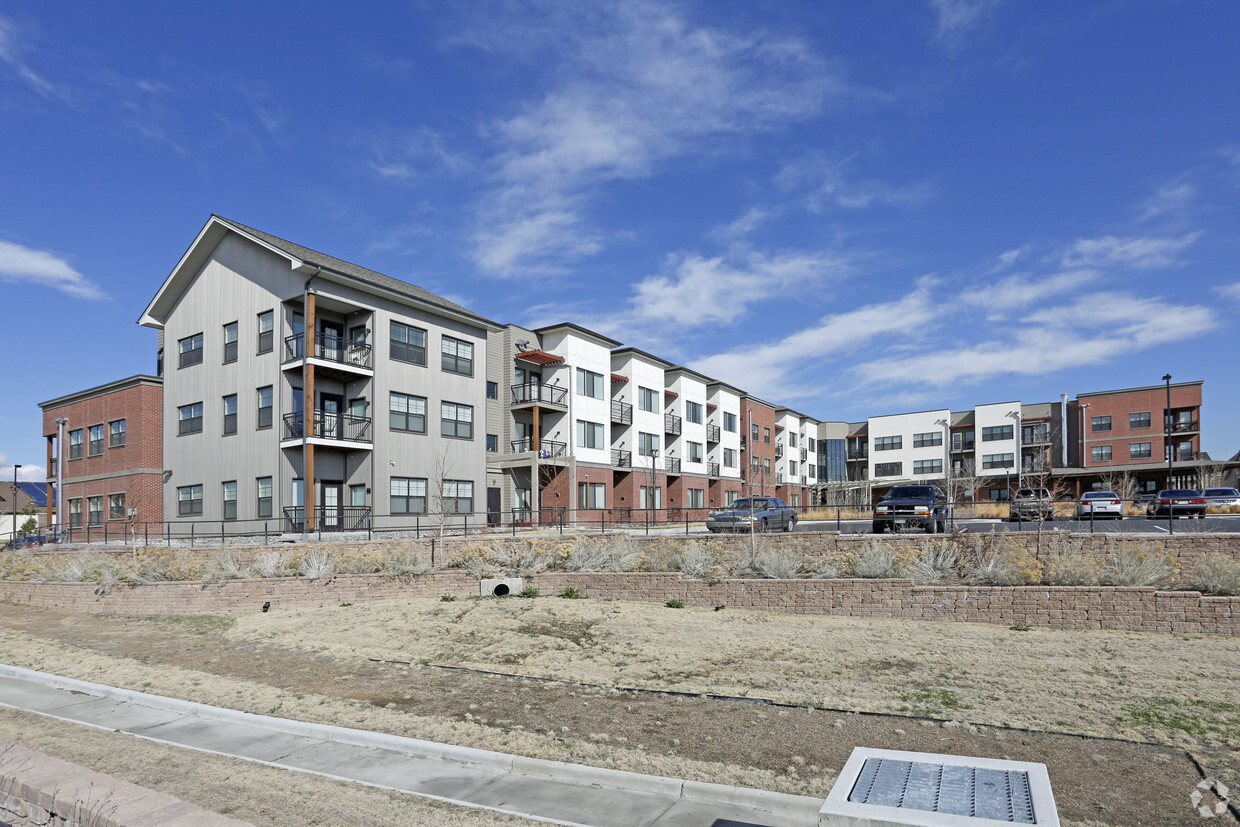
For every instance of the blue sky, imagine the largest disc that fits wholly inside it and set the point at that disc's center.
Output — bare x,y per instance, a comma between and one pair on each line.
852,209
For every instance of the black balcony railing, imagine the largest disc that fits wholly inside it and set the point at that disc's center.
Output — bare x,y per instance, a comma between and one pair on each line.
547,448
779,450
1036,467
671,424
330,348
621,459
345,427
671,465
712,433
804,454
328,517
621,412
1181,425
712,469
533,393
858,453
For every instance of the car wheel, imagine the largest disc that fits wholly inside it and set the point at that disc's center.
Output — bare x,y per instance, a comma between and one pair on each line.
791,524
762,526
879,528
932,526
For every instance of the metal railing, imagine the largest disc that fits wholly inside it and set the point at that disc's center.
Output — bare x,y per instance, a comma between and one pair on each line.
621,458
712,469
621,412
344,427
671,424
1039,437
1181,425
328,518
854,453
534,393
712,433
547,448
331,349
779,450
671,465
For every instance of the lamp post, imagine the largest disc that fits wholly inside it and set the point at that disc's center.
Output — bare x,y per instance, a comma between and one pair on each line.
1167,426
61,422
15,467
654,454
1020,441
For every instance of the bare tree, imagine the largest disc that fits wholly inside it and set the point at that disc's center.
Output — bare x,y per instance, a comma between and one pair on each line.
1213,475
442,501
962,483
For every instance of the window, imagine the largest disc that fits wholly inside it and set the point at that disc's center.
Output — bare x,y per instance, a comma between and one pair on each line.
492,443
1100,453
408,495
922,467
357,495
230,342
1140,450
811,468
928,440
792,440
753,464
408,344
591,495
729,422
189,419
647,399
1139,420
190,350
693,412
650,497
766,465
230,500
456,420
647,444
888,443
189,501
792,468
263,503
589,434
75,444
117,435
458,496
230,414
695,452
590,383
810,445
1099,423
492,390
75,513
456,356
729,458
96,510
997,432
888,469
116,506
266,331
264,408
753,433
1000,460
697,498
96,440
730,497
766,435
407,413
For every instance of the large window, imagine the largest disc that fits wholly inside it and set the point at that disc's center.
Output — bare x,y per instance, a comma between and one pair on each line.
647,399
407,413
189,419
75,513
230,414
189,501
408,495
928,440
266,331
997,432
729,422
1099,423
408,344
456,420
75,443
96,510
923,467
117,435
116,506
695,452
230,500
591,495
1139,420
990,461
189,350
589,434
729,458
888,443
265,408
458,496
693,412
263,502
888,469
1100,453
1140,450
697,498
95,448
766,435
647,444
590,384
230,342
457,356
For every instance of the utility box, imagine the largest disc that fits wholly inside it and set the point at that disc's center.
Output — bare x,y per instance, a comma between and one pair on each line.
502,587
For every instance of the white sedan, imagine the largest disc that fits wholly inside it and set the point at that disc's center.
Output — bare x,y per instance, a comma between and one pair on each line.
1221,496
1100,504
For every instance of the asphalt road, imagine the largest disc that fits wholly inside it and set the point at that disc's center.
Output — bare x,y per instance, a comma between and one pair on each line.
1215,524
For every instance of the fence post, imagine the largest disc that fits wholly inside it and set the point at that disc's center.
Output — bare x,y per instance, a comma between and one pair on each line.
369,526
264,532
146,534
1091,517
417,529
105,533
602,522
562,513
168,535
191,534
647,523
686,522
221,532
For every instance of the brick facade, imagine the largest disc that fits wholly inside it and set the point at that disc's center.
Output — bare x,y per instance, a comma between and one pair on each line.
1121,432
755,412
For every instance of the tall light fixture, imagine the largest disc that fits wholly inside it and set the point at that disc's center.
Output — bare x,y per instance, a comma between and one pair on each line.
15,467
61,422
1167,426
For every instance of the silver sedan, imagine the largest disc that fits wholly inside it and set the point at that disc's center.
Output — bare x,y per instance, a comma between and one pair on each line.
1100,504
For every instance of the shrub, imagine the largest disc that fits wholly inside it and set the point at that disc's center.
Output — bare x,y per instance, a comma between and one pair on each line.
876,561
1139,566
1064,564
407,562
695,562
268,564
624,553
225,567
778,565
317,564
479,560
529,592
447,598
571,593
1216,574
675,604
827,570
360,561
161,564
587,556
1010,567
935,563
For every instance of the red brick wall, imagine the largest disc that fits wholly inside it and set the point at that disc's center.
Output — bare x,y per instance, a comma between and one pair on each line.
626,489
763,416
716,494
1119,405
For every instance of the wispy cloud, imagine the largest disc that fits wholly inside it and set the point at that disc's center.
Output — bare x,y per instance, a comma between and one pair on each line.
28,473
18,263
1142,253
1229,291
831,185
1005,260
956,19
1169,200
1023,290
753,218
12,53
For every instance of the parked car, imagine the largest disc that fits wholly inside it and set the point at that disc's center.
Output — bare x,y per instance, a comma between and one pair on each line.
1178,502
1144,501
753,514
1032,504
1100,504
1221,496
908,505
29,541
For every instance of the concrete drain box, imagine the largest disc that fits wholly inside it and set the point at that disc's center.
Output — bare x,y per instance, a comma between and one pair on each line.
888,788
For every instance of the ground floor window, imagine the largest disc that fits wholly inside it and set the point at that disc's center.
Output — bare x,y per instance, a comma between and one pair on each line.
408,495
230,500
591,495
189,501
75,513
650,496
458,496
729,497
96,510
116,506
264,497
697,498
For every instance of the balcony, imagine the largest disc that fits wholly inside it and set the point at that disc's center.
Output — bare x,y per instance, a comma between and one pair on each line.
962,446
858,453
1035,466
328,517
338,426
1179,426
1035,436
671,465
804,454
779,477
621,412
712,433
534,394
671,424
547,448
621,459
330,348
712,469
779,450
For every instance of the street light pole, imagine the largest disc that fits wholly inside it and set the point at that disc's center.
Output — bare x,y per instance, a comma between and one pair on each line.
61,422
15,467
1167,427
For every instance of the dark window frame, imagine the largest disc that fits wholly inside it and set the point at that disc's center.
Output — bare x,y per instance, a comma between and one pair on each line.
191,355
112,509
230,347
998,433
888,469
403,350
452,361
263,422
114,433
191,424
455,427
889,443
405,415
77,447
228,507
189,506
263,504
1100,424
407,499
266,338
94,440
230,419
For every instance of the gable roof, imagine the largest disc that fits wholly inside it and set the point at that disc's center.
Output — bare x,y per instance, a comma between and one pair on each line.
302,259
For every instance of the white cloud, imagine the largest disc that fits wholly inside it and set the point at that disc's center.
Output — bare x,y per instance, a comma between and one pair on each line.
1229,291
27,473
1143,253
1007,259
831,185
743,226
1171,199
956,19
18,263
1022,291
12,53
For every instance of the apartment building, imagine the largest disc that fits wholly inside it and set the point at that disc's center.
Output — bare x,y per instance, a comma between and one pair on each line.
112,454
278,358
758,446
796,456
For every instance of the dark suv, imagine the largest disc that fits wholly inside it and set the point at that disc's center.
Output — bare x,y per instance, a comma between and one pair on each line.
905,505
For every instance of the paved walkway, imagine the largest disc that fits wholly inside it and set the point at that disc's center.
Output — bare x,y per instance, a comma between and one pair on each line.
546,790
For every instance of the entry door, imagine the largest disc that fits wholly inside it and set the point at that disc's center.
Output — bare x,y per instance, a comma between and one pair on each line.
332,408
332,337
493,506
331,494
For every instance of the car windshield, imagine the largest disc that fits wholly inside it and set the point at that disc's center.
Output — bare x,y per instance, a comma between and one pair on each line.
747,504
910,492
1221,492
1101,495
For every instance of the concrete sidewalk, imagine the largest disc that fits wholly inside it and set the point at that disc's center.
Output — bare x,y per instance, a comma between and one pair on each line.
546,790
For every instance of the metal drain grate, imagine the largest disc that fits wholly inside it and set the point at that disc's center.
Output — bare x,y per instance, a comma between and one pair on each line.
1001,795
